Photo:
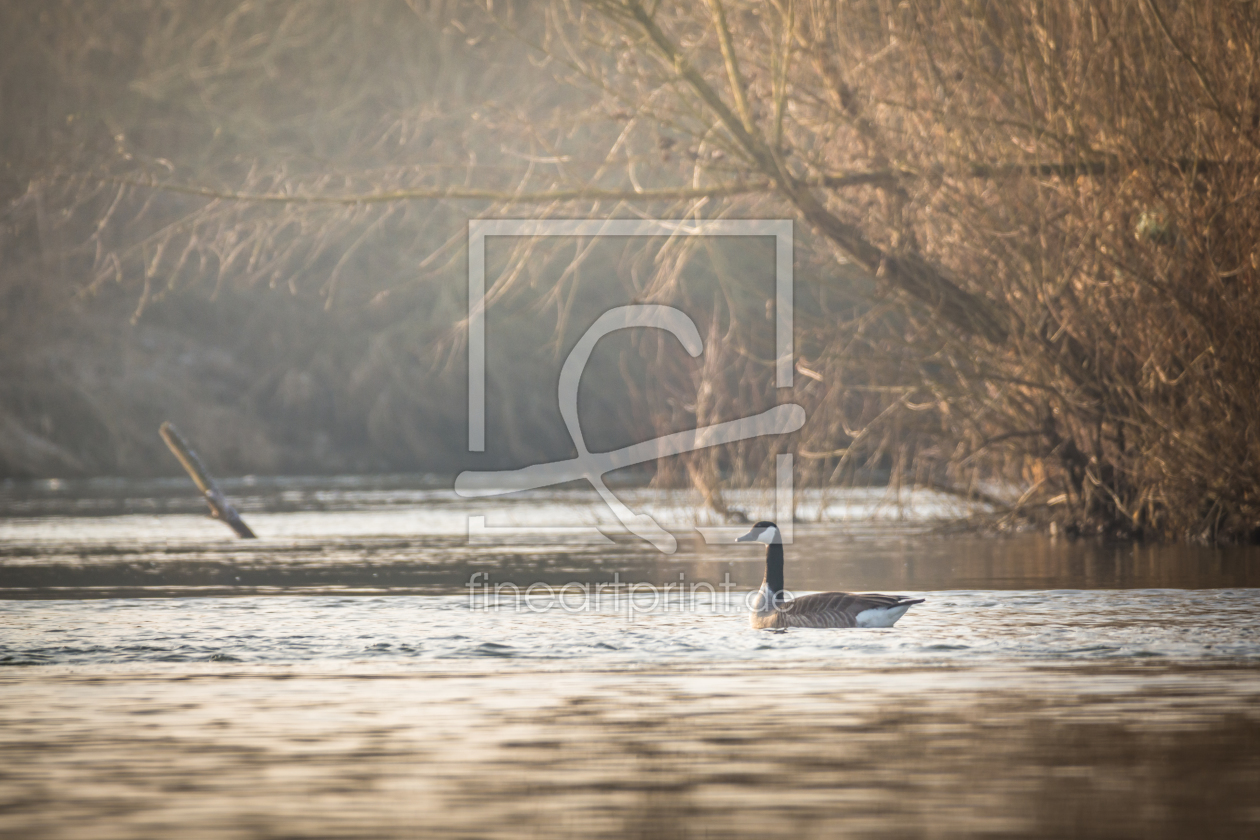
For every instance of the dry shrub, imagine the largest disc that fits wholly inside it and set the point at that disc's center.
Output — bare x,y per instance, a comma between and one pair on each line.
1027,256
1055,208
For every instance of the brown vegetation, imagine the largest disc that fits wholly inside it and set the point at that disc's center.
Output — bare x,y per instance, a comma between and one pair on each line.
1028,256
281,336
1056,205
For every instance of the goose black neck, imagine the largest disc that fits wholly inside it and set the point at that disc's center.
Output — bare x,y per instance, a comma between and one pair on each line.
774,570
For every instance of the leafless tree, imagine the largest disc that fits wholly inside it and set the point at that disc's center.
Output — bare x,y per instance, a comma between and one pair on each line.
1028,232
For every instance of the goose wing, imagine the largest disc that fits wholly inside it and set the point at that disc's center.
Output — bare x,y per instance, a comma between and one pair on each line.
837,609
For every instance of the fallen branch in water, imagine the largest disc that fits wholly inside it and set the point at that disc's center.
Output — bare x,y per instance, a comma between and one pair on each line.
220,507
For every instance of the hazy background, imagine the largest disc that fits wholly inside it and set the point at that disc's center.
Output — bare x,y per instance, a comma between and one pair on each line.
1026,263
294,338
339,349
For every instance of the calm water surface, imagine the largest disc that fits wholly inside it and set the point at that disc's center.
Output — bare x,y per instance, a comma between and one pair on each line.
159,686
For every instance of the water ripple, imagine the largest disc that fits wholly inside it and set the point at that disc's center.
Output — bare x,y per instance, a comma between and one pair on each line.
951,628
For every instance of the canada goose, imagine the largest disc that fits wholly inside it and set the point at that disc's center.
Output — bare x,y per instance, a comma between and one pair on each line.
825,609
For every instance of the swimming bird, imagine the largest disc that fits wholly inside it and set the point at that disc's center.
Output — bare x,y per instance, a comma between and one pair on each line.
825,609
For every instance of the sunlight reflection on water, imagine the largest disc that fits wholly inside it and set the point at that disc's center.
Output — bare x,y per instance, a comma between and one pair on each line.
1044,689
952,629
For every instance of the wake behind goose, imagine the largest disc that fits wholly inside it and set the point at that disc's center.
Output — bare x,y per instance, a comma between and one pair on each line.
826,609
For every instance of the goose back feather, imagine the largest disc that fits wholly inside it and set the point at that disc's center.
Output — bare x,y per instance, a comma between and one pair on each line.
835,609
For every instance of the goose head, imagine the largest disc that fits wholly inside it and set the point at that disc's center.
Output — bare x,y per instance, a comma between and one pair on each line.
763,532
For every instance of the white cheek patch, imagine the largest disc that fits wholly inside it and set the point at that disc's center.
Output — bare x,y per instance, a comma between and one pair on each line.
769,536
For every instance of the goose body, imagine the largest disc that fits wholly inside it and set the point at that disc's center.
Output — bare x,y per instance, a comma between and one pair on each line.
826,609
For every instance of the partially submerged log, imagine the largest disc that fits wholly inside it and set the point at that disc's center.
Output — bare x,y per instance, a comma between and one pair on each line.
220,507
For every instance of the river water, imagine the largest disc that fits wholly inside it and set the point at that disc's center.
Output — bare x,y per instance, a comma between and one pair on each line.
377,666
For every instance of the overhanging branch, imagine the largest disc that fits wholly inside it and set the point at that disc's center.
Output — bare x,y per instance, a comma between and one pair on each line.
451,193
